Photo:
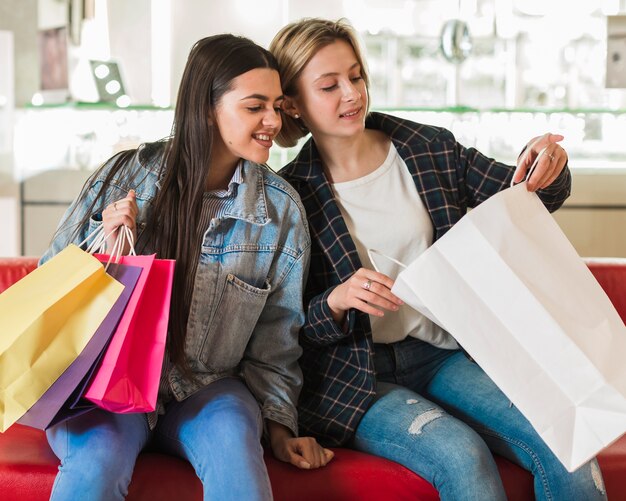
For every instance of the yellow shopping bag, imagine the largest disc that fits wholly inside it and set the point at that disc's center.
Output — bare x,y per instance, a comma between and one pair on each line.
47,318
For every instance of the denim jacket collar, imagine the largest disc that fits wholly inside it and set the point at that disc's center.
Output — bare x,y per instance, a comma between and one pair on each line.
251,204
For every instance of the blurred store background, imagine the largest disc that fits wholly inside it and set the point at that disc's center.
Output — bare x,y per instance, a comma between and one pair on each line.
83,79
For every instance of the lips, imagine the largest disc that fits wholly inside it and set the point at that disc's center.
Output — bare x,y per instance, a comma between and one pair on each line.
350,113
263,139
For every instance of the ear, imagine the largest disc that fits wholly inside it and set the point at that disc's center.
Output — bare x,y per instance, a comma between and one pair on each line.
290,108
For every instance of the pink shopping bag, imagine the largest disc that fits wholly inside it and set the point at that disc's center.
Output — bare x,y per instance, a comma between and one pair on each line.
128,377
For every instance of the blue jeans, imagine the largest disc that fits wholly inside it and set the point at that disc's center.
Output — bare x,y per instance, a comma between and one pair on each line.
439,414
218,430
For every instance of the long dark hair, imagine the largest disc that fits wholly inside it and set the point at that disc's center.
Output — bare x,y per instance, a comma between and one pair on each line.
213,63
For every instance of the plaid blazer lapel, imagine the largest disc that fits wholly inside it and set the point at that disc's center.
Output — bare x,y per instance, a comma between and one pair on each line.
327,225
427,184
414,145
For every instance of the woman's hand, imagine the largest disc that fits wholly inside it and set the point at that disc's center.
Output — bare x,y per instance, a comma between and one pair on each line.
549,166
120,213
367,291
303,452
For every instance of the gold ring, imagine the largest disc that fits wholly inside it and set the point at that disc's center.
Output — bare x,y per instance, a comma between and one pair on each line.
367,285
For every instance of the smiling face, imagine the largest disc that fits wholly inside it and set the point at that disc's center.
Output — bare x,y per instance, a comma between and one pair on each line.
247,117
332,95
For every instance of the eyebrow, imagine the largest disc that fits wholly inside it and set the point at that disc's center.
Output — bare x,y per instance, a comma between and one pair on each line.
335,73
261,97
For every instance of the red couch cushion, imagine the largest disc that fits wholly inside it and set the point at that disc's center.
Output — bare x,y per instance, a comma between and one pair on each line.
28,468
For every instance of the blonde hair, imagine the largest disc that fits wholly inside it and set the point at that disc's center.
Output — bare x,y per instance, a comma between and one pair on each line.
293,47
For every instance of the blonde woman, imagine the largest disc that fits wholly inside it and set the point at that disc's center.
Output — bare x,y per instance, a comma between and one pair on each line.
378,376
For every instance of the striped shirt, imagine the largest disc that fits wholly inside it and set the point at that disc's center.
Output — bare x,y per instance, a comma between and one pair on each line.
215,204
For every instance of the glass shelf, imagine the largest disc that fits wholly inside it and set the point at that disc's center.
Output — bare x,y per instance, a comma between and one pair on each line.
82,105
83,135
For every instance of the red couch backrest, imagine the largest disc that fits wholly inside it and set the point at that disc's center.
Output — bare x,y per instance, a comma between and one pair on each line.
14,268
611,275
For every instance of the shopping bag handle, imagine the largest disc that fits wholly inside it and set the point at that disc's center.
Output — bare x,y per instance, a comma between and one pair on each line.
532,167
98,243
124,234
97,240
371,252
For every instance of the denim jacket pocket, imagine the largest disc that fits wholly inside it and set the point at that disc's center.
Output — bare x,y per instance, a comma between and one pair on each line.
235,317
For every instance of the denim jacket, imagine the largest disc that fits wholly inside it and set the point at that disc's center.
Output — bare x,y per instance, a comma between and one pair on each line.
246,308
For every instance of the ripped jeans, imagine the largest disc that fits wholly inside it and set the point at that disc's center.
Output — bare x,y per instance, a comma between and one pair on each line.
441,416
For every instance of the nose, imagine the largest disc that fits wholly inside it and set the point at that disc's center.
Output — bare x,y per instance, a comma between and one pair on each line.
272,119
350,92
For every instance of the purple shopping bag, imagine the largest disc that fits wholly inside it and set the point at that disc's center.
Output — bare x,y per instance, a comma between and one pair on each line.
61,400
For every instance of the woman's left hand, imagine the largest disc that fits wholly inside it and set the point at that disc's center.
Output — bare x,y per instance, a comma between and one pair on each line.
303,452
549,165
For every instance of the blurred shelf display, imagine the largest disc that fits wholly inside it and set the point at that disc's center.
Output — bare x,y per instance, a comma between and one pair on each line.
593,137
81,137
57,147
509,57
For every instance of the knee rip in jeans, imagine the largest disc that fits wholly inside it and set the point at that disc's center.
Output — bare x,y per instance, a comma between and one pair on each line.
423,419
596,474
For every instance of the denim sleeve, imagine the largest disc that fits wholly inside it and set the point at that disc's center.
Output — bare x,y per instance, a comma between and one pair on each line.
270,364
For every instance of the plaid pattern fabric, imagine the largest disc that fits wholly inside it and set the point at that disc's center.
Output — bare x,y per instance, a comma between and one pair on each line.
339,378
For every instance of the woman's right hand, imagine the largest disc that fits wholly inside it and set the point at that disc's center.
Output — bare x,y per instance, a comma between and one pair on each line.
367,291
120,213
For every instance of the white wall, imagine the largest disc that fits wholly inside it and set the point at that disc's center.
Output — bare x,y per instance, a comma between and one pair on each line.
255,19
130,38
9,221
20,17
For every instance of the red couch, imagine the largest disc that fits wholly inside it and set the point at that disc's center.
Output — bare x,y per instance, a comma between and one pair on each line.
28,466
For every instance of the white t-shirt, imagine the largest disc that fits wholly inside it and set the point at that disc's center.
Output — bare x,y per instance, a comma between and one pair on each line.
383,211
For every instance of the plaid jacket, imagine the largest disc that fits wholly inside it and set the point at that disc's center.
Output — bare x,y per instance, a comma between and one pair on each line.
339,379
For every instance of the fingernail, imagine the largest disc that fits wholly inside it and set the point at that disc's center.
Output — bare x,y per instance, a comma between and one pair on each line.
305,465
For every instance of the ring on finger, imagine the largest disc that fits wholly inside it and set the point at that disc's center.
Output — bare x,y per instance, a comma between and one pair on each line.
367,285
114,206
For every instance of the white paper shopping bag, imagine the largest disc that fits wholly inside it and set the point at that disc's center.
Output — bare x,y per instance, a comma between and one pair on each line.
509,286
